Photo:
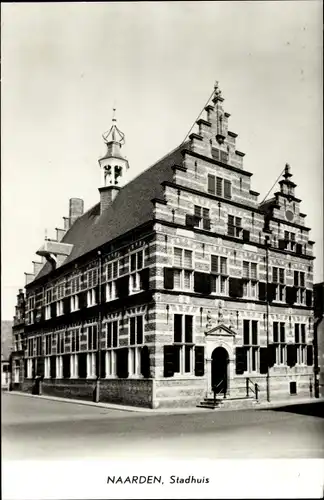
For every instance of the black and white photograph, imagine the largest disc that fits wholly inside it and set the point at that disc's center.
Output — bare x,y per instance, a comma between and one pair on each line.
162,331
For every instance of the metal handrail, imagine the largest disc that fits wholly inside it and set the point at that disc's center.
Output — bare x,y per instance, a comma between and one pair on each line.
254,388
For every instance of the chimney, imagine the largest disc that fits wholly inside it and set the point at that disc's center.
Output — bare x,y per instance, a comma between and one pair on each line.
76,208
66,223
107,196
60,233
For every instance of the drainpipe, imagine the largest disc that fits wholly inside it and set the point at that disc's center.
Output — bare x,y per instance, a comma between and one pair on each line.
97,395
267,312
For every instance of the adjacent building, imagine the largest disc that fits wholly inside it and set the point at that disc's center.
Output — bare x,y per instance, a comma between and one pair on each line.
6,348
319,337
175,286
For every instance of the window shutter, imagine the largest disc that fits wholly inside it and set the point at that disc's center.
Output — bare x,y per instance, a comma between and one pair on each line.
145,362
53,310
145,278
190,220
82,362
263,360
299,249
246,235
199,361
309,355
214,264
262,291
202,283
291,355
211,184
219,186
82,300
271,292
168,360
97,297
206,224
271,355
291,293
40,367
235,287
309,298
66,366
240,360
66,305
122,287
103,294
102,364
168,278
282,244
53,366
33,368
122,362
227,189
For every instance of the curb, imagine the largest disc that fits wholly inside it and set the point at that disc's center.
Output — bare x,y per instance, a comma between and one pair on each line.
157,411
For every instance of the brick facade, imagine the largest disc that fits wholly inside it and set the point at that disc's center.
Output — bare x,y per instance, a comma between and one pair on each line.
211,269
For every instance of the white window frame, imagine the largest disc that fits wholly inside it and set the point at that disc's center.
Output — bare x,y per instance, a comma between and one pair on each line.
134,354
135,279
252,349
48,312
182,270
91,297
59,308
91,365
74,365
182,348
201,217
250,289
59,366
110,291
74,301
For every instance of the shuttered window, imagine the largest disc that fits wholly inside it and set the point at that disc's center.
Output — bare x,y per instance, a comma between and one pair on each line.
219,186
211,184
227,189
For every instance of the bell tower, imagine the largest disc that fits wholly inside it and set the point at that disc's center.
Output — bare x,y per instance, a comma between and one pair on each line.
113,165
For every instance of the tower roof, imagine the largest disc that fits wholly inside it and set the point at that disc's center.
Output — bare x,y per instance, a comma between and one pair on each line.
114,134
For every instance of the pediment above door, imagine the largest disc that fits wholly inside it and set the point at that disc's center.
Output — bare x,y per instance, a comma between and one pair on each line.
220,331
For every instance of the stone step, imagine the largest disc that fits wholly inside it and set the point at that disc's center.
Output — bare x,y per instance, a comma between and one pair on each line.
230,403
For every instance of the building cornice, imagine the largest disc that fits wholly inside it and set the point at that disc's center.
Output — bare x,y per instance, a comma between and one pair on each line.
216,162
231,238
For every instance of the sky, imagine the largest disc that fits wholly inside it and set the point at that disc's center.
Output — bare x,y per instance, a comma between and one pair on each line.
66,65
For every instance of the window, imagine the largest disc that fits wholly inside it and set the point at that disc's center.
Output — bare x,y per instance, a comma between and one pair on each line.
290,239
299,284
219,277
202,218
136,340
48,345
136,265
75,284
30,348
234,226
183,272
300,342
250,343
183,342
74,303
91,297
278,279
91,365
90,278
60,342
219,186
112,342
218,154
279,340
92,335
250,279
47,312
59,308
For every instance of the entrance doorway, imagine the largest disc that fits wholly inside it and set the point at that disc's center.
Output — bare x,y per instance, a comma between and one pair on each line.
219,370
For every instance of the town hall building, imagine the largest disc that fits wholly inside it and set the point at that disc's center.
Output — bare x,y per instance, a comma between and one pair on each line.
176,287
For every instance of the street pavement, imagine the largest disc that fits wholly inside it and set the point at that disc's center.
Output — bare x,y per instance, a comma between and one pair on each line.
34,428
